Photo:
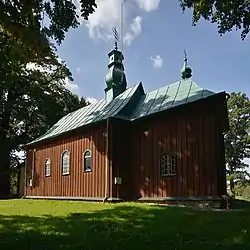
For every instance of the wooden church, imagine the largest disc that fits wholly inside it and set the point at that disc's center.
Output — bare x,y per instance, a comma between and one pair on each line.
158,146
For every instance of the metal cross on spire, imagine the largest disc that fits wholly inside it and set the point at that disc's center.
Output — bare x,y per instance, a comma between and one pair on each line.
185,55
116,37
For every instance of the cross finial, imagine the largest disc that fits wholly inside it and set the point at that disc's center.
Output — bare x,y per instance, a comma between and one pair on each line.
116,36
185,55
186,71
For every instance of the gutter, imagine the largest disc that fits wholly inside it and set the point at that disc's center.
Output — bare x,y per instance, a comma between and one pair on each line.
107,193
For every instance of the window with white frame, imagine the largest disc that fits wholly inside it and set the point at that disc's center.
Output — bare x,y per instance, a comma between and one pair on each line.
65,162
47,167
168,164
87,161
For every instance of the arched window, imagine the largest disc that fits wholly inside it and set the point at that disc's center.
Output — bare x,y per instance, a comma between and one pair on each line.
87,161
65,162
47,167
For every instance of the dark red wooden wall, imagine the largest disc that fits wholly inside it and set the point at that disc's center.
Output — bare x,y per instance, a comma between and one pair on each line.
78,183
122,156
195,134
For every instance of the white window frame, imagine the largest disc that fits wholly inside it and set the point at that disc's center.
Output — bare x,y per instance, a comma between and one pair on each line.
168,164
65,172
84,162
47,166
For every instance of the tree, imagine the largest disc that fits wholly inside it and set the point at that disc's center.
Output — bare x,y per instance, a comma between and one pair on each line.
34,22
32,99
237,140
227,14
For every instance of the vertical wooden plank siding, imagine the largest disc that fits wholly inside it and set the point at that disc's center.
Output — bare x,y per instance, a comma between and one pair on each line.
122,159
194,136
78,183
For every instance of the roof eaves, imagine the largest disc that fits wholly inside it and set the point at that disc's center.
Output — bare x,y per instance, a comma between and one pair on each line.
36,142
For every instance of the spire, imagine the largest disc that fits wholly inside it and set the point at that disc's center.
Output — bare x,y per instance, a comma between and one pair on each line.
186,71
115,78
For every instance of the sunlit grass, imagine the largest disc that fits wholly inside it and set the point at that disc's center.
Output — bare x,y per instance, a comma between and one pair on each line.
40,224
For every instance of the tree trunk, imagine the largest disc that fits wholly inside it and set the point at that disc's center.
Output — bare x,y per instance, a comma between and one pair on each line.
232,188
18,184
4,172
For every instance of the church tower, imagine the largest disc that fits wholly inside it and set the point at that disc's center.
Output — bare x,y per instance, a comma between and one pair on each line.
115,79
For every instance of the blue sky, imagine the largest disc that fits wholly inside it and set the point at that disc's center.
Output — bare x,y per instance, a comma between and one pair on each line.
155,29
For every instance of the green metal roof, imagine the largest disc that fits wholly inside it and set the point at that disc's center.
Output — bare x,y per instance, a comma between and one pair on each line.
131,105
90,114
169,96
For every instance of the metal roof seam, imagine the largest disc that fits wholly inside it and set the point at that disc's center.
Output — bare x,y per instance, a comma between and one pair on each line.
176,93
152,102
163,99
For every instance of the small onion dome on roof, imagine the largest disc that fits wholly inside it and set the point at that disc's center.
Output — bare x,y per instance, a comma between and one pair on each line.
186,71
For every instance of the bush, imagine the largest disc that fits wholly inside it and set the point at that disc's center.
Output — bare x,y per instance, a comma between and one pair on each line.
14,175
239,188
246,192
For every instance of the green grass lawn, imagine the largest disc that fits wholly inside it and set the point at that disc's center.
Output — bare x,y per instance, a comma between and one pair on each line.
31,224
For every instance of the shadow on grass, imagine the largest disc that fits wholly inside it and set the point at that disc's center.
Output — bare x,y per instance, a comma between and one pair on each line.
129,227
240,204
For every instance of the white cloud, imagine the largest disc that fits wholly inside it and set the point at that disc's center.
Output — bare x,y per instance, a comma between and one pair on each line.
71,86
108,15
148,5
156,61
105,17
78,70
135,30
91,100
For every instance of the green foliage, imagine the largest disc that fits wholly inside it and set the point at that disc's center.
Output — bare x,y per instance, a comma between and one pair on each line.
26,21
246,192
227,14
243,190
237,143
34,22
32,97
87,7
32,224
240,188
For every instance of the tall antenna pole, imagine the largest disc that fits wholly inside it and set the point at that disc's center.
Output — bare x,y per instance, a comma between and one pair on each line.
122,7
